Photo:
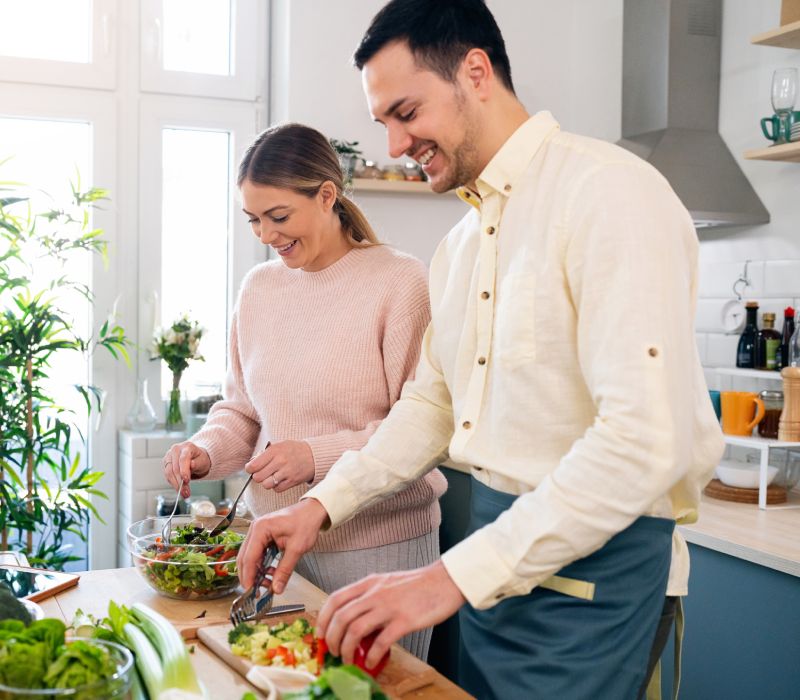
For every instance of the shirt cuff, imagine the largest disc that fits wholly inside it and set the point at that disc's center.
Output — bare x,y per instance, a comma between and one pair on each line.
337,497
478,571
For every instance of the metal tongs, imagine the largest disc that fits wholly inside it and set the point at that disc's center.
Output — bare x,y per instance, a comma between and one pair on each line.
252,605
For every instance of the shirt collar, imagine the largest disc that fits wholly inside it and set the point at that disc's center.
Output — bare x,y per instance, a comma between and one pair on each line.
507,166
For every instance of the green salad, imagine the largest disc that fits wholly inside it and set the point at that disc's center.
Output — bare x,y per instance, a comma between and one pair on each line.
37,657
193,564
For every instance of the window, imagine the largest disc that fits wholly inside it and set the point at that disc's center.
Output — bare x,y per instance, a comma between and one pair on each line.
202,47
195,242
58,42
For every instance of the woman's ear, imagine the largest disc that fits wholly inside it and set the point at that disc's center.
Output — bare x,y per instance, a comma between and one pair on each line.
327,195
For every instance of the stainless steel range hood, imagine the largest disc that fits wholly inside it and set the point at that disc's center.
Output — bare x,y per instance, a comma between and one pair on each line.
670,108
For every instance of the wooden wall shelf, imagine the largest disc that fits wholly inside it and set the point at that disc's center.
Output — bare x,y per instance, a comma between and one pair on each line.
785,37
391,186
787,152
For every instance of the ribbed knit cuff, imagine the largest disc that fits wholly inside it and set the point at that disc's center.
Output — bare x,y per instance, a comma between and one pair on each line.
326,450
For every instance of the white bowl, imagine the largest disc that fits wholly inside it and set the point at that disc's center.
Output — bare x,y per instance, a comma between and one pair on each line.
279,680
742,475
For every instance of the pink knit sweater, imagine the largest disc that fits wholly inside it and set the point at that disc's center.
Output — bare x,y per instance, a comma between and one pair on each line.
321,357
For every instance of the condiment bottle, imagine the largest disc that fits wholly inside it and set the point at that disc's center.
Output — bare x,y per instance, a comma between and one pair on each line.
746,351
782,356
773,405
768,340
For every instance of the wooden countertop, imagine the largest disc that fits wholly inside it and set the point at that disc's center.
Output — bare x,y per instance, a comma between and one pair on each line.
126,586
768,537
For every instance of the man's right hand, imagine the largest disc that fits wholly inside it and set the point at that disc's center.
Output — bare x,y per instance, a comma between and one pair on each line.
185,461
293,529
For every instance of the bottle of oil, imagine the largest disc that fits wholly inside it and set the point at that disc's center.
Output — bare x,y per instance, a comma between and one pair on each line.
782,357
768,342
746,351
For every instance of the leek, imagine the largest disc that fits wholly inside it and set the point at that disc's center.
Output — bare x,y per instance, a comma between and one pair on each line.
147,660
176,664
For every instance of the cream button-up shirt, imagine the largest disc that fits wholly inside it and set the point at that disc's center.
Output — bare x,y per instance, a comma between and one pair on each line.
560,363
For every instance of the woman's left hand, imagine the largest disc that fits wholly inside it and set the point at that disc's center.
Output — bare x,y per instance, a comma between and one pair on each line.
283,465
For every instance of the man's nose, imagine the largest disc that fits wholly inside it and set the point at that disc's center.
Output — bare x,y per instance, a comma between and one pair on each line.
399,140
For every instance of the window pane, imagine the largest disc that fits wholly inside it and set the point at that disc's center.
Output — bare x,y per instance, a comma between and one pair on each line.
197,36
194,253
56,30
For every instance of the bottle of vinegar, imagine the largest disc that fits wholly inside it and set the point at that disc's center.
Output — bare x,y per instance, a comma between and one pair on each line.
746,351
782,358
767,346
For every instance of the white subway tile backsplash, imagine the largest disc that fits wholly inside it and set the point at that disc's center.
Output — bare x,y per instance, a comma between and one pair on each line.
721,350
715,279
708,318
781,277
701,340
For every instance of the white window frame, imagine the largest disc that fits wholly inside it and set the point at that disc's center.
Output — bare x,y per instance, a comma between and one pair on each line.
244,249
248,18
100,72
98,108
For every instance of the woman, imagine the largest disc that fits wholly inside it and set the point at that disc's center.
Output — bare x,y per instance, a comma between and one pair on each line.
321,343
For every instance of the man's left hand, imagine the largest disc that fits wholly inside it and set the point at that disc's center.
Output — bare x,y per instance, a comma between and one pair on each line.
393,604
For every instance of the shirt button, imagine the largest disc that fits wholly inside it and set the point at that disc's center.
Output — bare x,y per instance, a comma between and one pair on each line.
490,230
481,360
507,188
485,295
653,352
500,596
466,425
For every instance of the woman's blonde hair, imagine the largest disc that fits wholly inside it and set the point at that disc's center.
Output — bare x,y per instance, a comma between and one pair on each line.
299,158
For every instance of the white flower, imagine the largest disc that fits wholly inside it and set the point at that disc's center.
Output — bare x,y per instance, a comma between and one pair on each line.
171,337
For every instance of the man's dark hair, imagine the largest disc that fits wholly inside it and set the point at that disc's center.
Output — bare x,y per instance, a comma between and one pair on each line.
439,34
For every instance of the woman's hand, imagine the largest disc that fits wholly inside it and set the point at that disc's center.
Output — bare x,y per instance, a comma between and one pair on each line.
283,465
183,462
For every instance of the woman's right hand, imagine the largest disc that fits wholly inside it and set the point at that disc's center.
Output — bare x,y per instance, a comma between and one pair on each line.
185,461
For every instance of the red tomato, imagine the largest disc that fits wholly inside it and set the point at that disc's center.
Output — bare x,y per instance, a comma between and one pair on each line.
362,650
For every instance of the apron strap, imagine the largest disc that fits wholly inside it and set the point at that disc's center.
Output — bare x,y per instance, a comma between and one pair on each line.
654,687
569,586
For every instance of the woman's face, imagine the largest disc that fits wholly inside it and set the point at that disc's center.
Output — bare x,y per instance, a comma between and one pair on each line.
303,231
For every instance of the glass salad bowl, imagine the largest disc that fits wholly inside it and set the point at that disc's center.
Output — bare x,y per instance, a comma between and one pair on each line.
193,566
116,687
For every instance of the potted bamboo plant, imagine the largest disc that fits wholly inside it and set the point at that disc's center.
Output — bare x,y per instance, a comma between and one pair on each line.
46,487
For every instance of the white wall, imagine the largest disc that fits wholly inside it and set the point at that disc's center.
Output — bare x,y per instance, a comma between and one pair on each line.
565,57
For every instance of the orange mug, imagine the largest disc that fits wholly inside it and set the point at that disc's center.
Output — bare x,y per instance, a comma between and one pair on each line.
741,412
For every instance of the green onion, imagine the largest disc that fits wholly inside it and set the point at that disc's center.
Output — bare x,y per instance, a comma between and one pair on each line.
147,659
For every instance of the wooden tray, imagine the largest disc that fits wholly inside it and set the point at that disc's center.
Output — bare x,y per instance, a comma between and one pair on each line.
403,674
716,489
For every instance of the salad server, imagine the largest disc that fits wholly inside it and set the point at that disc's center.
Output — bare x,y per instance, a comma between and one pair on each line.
251,605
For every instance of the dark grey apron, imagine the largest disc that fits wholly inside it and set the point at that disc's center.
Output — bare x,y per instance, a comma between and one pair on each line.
551,645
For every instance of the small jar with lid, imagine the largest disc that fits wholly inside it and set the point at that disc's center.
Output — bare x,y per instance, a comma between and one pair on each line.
369,171
394,173
773,406
412,171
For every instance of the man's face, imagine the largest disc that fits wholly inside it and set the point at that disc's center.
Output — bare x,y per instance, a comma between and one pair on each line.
426,117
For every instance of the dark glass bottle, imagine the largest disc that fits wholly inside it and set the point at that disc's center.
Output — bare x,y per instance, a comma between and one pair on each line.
768,341
782,358
746,352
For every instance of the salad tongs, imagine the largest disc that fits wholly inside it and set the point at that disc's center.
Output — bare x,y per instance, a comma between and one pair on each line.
252,605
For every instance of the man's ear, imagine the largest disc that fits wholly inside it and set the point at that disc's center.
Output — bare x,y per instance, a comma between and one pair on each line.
478,72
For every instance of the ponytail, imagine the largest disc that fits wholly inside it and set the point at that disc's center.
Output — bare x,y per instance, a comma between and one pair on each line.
354,224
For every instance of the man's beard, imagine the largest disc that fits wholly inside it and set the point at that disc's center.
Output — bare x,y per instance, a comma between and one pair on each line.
464,160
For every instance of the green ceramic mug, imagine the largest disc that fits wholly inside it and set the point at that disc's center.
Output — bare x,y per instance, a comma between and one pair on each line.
771,127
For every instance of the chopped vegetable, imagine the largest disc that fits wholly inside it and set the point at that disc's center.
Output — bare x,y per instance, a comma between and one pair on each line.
10,607
360,657
288,645
193,565
340,683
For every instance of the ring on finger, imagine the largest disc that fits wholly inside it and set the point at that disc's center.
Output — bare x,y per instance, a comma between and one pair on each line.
275,482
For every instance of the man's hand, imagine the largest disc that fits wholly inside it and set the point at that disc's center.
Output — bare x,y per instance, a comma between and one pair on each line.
294,530
182,463
283,465
394,604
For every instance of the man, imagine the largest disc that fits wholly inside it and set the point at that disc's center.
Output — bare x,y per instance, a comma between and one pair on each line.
560,363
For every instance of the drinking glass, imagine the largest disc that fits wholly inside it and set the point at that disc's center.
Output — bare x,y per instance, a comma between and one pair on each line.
784,94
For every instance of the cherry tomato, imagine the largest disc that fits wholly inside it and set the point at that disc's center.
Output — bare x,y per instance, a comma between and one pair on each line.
362,650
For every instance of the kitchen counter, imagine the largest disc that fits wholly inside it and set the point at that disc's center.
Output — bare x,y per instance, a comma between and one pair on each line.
768,537
126,586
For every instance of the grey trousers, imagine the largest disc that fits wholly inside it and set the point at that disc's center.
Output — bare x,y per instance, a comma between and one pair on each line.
333,570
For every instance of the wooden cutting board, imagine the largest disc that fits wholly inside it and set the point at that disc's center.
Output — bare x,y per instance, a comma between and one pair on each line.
716,489
403,674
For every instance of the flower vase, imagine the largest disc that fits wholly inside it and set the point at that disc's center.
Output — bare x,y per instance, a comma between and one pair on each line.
174,420
142,417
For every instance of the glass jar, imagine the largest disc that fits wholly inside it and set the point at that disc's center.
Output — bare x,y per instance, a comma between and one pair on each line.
165,502
412,171
370,171
773,406
394,173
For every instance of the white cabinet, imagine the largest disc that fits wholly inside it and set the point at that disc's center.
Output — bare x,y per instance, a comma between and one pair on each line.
141,480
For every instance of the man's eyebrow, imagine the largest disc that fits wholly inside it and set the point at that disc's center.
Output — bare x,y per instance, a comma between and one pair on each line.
390,110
